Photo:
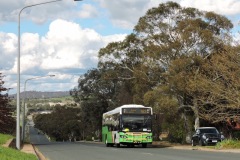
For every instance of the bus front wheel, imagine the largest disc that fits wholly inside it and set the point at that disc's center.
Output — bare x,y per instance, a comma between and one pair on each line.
106,142
144,145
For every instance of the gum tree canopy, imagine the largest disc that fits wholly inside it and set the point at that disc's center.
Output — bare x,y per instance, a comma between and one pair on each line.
181,52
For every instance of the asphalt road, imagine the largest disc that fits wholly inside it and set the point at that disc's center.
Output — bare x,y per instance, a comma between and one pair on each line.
98,151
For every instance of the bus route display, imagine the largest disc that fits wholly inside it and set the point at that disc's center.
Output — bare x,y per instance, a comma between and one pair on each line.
136,111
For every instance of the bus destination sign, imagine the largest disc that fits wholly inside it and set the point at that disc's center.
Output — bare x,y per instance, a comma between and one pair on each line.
136,111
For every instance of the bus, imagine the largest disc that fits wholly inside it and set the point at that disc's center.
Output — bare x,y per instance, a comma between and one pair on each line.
128,125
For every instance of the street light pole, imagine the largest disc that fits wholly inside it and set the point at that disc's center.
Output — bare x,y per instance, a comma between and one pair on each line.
18,72
23,111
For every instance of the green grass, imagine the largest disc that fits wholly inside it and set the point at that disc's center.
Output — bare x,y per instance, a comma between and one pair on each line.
13,154
4,138
228,144
10,153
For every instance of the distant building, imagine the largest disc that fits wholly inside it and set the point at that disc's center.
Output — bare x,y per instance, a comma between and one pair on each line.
45,112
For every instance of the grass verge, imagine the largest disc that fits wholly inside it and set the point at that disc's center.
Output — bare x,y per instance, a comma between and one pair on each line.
4,138
12,154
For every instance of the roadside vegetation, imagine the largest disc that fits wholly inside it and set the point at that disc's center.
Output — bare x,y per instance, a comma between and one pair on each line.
228,144
63,124
7,122
181,61
10,153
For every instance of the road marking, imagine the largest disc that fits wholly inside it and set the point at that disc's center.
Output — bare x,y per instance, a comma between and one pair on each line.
148,154
114,149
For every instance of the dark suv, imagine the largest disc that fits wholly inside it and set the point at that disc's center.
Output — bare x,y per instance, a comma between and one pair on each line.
206,136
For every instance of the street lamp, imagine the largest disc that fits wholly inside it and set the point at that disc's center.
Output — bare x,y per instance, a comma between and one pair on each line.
23,111
18,71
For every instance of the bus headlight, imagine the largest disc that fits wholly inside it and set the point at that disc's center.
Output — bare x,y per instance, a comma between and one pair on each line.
123,136
149,137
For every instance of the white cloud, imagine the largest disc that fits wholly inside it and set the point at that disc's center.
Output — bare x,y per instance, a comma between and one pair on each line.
65,9
29,43
225,7
8,50
125,13
65,47
68,49
87,11
8,43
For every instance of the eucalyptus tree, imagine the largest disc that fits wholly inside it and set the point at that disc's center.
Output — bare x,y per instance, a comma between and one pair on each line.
163,34
171,32
94,94
168,37
62,124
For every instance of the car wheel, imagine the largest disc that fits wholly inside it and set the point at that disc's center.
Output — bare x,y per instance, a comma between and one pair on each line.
193,144
201,143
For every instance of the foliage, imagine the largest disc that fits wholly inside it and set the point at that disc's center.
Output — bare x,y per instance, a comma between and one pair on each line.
209,86
236,135
7,122
92,117
176,130
228,144
95,96
178,60
62,124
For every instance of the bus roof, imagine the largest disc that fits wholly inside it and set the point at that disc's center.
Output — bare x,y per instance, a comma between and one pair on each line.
119,109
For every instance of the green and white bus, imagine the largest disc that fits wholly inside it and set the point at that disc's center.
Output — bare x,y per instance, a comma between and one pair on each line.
128,125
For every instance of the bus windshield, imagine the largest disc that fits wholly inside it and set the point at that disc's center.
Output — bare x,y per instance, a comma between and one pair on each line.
134,123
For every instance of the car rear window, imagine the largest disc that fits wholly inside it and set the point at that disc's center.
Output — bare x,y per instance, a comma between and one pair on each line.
209,130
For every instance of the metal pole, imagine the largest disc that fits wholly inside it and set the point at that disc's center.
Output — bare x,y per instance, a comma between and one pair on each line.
23,111
18,88
18,74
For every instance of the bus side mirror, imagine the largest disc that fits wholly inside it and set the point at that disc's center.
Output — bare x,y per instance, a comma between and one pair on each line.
156,116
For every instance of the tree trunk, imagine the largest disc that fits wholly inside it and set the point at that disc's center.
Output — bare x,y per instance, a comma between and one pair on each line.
197,123
187,128
196,114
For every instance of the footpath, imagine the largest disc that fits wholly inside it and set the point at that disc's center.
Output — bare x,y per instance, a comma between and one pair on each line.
29,148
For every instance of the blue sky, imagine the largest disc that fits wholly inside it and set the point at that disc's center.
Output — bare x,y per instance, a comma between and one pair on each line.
63,38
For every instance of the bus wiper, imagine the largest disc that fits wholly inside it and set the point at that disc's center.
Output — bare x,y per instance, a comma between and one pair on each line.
146,120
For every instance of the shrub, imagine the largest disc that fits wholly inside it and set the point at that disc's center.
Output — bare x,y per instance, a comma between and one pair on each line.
228,144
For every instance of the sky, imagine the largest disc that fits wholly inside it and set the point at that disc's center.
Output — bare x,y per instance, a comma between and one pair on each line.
63,38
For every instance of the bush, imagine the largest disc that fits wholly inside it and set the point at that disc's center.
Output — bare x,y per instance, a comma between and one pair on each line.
228,144
236,135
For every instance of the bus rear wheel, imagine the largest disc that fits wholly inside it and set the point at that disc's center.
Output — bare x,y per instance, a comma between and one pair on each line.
117,145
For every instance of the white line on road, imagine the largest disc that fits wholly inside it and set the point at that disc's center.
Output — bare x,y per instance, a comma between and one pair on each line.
148,154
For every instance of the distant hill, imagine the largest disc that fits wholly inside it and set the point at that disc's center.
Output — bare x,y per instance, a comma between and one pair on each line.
38,94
